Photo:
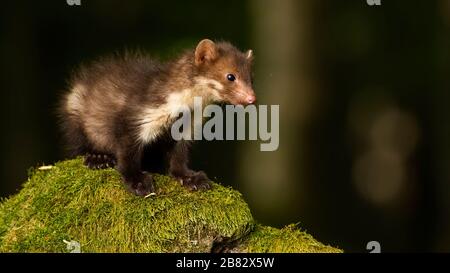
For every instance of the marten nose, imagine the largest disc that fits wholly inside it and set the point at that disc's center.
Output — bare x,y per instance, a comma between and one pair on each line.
251,99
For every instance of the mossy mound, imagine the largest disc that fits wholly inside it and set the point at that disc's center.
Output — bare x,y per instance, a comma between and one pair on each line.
70,202
286,240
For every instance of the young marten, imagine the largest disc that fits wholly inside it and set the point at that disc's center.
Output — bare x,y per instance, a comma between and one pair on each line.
119,110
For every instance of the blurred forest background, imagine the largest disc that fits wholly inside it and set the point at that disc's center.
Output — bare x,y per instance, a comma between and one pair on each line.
364,95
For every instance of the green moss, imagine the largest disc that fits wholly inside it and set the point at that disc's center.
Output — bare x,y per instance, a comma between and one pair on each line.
70,202
287,240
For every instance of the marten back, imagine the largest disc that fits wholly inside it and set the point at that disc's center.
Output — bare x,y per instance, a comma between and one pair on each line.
101,94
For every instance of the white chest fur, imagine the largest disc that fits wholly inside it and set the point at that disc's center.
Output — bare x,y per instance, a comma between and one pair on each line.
153,121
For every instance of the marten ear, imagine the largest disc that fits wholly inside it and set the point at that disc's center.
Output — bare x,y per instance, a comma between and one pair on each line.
206,51
249,55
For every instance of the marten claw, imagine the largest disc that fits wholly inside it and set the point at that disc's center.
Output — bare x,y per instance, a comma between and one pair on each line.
144,187
195,181
99,161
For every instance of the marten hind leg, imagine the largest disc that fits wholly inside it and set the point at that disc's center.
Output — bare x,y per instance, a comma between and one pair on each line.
178,169
129,159
95,160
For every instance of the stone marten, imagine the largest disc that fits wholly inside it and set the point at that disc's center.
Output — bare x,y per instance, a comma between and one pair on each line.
118,110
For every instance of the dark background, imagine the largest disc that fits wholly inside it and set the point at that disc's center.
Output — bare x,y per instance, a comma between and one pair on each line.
363,90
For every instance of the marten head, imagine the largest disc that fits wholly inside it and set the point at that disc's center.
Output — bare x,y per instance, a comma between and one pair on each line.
226,71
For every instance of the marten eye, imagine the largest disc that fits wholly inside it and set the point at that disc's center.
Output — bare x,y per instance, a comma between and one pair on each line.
231,77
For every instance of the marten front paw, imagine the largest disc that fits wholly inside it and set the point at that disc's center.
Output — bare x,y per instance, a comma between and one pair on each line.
99,161
143,187
194,181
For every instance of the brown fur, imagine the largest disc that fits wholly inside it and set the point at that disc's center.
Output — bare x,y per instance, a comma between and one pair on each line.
119,109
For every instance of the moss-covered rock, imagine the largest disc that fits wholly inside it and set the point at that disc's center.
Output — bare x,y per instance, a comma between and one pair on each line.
70,202
286,240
